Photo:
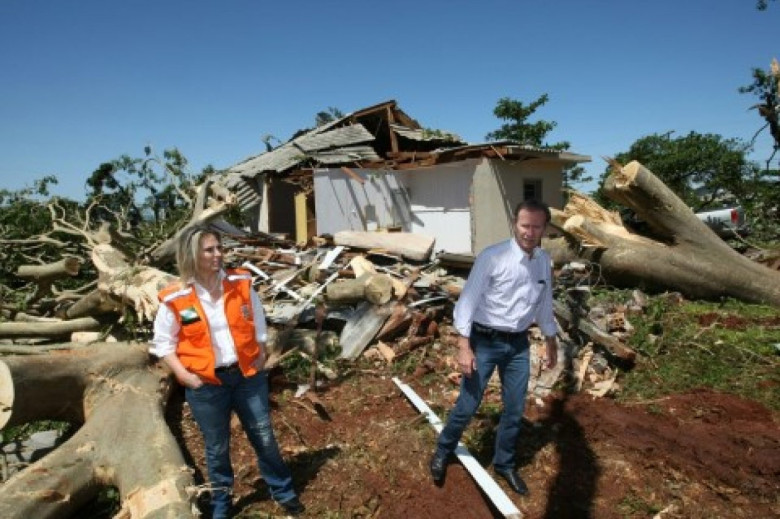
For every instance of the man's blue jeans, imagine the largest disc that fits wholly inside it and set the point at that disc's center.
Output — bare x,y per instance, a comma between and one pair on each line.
211,406
511,357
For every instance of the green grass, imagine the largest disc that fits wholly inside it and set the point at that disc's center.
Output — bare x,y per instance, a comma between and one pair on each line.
297,368
635,506
728,346
23,432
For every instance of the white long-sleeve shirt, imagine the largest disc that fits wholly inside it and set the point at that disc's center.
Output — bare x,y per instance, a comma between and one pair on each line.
508,290
166,326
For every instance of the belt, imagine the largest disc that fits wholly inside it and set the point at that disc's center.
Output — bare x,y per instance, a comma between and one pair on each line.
230,368
487,331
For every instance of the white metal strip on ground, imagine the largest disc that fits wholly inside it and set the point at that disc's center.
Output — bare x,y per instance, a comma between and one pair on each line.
494,492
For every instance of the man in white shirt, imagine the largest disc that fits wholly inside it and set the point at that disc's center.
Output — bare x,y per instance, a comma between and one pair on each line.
509,288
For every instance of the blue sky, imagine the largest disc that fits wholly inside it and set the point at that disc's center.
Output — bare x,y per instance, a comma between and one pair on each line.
85,82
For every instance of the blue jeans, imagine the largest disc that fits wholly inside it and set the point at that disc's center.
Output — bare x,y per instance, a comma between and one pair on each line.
211,406
511,357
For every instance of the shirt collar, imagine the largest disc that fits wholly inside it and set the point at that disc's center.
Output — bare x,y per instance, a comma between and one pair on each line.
524,256
200,288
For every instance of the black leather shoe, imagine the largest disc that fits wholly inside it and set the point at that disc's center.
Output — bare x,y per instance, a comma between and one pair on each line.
293,506
439,467
514,480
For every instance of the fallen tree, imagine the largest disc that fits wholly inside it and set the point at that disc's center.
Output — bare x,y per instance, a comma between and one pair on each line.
127,280
111,392
680,252
118,399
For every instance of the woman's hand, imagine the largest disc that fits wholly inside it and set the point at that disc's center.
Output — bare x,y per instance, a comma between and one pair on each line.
185,377
259,362
190,380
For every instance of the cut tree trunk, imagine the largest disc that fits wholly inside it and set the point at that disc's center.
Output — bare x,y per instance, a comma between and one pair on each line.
94,303
119,398
361,265
45,275
684,255
375,288
47,329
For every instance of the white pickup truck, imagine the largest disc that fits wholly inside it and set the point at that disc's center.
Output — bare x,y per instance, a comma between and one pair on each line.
725,222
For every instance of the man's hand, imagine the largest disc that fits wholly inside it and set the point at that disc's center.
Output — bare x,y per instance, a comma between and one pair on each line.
466,360
551,358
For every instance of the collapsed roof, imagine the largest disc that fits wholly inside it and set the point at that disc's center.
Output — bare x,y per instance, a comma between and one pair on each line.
382,137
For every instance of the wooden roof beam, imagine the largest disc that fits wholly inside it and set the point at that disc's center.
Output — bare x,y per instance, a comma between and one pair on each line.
393,136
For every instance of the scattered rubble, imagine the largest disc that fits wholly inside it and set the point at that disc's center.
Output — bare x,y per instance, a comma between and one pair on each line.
379,303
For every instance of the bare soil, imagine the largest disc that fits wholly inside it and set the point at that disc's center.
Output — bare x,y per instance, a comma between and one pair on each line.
363,452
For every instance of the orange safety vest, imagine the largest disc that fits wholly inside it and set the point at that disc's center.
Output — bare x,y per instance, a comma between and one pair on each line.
195,350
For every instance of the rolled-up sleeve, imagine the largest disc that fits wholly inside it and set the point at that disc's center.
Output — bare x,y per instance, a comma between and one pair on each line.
166,332
261,329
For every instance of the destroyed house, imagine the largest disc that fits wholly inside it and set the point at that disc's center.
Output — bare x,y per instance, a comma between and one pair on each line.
377,169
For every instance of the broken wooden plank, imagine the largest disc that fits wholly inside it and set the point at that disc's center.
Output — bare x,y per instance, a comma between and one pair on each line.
399,320
351,174
450,259
276,286
613,345
386,351
362,328
584,362
488,485
409,245
409,155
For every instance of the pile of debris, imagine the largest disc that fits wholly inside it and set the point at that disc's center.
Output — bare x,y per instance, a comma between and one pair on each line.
379,303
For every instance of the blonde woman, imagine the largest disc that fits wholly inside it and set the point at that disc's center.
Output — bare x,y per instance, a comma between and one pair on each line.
210,330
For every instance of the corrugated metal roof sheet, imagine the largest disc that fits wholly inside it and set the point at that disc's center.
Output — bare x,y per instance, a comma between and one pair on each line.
515,148
279,159
291,153
421,134
339,137
321,145
310,145
346,154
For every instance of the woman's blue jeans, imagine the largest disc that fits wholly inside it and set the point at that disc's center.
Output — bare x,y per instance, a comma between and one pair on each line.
211,406
511,357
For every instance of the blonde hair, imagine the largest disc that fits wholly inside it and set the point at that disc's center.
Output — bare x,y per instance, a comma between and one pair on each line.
188,249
